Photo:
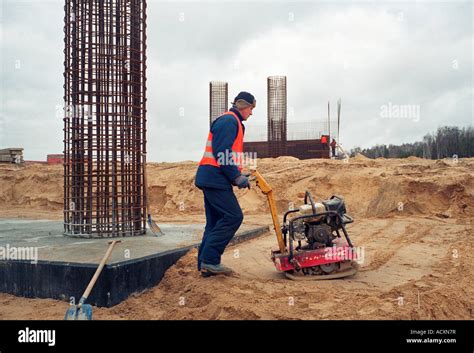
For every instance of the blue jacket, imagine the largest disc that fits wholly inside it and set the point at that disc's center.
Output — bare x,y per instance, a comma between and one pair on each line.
224,131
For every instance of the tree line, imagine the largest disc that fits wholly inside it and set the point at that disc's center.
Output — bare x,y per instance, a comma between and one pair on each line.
446,142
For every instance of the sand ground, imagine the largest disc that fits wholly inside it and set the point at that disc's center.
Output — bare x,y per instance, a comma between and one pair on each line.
413,217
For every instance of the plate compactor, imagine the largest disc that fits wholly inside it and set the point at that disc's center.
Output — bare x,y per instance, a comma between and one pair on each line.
310,245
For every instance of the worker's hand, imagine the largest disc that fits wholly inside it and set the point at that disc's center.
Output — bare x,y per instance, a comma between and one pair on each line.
250,176
242,182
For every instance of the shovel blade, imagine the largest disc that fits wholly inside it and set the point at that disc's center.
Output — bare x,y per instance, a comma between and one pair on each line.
82,313
155,229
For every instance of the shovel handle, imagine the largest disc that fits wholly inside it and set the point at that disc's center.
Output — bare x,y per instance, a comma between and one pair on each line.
98,271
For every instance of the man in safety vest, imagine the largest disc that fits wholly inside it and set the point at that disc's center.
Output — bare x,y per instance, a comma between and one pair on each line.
219,169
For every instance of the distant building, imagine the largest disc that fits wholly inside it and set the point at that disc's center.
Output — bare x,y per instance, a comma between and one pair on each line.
11,155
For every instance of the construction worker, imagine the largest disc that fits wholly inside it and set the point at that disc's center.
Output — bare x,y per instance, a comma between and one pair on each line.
215,176
333,147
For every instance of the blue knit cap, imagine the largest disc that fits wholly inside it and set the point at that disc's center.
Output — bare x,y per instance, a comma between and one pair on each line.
249,98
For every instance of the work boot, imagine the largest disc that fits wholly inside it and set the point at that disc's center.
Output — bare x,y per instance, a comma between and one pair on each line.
210,270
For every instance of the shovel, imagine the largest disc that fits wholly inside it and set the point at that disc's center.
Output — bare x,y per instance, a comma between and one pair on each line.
83,311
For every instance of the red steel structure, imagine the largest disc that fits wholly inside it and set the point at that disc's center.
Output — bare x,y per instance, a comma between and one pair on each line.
105,118
55,159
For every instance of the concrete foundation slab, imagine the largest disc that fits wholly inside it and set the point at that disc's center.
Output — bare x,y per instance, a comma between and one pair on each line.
37,261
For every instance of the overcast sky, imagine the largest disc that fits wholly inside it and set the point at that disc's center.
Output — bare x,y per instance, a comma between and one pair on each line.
376,56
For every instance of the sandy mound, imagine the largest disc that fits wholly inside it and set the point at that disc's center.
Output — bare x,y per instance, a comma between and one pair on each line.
371,188
283,159
360,157
414,159
33,187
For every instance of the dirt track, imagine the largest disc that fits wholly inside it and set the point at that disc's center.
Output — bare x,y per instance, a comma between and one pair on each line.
418,259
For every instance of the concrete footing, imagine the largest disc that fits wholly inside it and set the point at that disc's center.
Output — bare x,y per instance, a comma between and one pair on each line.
37,261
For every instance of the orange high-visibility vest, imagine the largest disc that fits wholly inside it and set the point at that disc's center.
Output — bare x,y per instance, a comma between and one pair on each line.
237,147
324,140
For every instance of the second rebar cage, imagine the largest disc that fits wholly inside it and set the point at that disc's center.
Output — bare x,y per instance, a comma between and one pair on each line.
105,118
277,112
218,99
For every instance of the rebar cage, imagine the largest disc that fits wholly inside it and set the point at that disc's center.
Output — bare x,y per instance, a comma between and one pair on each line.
218,99
277,112
105,118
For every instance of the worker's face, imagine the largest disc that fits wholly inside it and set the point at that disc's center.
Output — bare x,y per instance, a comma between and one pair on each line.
246,112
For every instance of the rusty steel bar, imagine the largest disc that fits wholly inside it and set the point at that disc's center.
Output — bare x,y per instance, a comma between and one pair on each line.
105,118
